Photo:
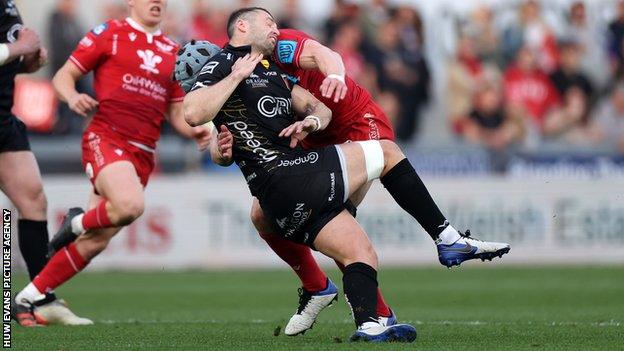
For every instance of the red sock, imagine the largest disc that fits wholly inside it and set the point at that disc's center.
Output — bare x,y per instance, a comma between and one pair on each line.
61,267
96,217
383,310
300,259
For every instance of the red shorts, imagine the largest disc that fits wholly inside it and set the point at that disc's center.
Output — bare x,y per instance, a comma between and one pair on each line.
100,149
370,123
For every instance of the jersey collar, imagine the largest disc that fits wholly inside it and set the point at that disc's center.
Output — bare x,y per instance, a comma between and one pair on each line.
150,36
239,50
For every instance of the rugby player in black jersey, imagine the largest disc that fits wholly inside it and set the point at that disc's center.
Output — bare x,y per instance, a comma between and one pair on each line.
302,192
20,180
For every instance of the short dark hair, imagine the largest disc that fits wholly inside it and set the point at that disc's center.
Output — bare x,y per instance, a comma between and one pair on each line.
236,15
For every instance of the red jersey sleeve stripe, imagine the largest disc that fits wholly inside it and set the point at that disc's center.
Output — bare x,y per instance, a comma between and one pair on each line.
77,63
298,51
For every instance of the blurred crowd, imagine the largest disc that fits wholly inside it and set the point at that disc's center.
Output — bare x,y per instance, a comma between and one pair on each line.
535,83
513,82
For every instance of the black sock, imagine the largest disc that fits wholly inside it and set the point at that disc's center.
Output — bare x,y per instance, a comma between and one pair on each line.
360,288
405,186
33,243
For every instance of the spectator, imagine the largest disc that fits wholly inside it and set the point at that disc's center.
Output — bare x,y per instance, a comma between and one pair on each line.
465,72
530,91
114,9
489,125
590,42
343,11
569,80
290,16
533,31
410,29
346,43
615,37
374,14
607,128
64,33
403,73
485,37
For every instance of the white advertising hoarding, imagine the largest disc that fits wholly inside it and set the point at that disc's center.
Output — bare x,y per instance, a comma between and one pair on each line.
202,221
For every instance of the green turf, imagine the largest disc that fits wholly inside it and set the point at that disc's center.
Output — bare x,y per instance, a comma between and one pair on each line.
472,308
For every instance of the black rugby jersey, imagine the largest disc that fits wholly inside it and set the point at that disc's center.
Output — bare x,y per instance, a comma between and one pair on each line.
10,24
257,111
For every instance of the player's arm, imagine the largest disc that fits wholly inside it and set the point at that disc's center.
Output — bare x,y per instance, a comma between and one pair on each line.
317,116
201,134
315,55
28,43
203,103
64,82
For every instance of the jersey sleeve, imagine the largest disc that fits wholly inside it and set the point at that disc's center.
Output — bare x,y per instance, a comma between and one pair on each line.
212,72
289,47
92,48
177,94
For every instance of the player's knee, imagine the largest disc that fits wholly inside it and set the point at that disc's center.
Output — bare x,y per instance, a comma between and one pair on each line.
129,209
391,150
33,203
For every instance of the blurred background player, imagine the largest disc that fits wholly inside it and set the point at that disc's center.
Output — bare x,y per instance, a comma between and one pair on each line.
133,63
20,179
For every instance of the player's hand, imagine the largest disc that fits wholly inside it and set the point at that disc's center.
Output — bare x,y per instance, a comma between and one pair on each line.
33,62
225,142
298,131
244,66
332,85
82,104
202,136
28,42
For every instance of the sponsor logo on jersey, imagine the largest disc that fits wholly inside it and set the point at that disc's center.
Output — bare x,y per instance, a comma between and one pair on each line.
298,218
100,29
163,47
271,106
12,32
150,60
256,82
270,73
286,51
209,67
251,142
310,158
144,86
332,186
132,36
86,42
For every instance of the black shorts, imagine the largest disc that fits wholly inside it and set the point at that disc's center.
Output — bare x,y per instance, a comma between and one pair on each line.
13,135
306,192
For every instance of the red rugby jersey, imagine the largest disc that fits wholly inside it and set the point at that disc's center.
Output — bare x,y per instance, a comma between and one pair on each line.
287,52
133,78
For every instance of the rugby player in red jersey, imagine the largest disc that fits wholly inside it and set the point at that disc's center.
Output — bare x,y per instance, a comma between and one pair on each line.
132,63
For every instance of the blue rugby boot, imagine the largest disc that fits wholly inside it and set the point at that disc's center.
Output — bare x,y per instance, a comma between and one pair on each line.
375,332
466,248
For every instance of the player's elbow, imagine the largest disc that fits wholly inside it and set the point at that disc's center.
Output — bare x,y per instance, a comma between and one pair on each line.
192,113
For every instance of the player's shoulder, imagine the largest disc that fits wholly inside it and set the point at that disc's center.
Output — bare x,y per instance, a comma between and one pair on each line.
292,34
166,44
220,62
106,28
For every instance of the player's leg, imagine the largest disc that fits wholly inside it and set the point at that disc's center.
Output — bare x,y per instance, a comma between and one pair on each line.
122,201
344,240
383,159
317,292
20,180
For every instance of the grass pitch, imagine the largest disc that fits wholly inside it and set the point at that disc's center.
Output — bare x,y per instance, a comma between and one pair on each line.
471,308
